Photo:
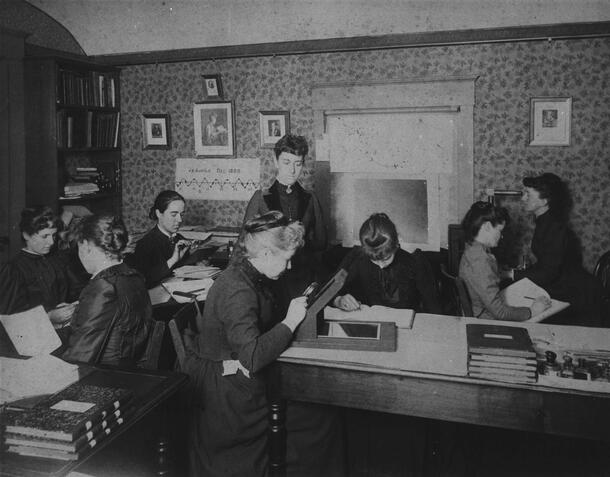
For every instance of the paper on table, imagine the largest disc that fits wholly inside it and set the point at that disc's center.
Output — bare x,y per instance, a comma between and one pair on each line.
31,332
39,375
196,271
522,292
195,235
402,317
199,287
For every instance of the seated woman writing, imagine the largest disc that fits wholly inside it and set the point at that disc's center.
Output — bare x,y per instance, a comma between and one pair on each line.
113,318
483,225
162,249
381,273
37,275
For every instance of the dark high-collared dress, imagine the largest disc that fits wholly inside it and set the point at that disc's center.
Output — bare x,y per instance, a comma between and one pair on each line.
112,320
558,269
151,255
30,280
241,323
408,282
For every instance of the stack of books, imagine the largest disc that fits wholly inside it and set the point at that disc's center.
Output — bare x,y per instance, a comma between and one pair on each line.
224,234
77,189
500,353
67,424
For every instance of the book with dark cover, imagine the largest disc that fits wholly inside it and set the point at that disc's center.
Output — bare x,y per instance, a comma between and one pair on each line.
499,340
68,414
29,448
113,418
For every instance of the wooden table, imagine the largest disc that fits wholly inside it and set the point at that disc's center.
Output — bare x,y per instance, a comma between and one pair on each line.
435,342
152,390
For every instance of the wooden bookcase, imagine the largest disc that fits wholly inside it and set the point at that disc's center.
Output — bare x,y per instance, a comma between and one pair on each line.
72,126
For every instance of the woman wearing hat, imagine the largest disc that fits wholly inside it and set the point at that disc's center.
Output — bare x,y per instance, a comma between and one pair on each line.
558,267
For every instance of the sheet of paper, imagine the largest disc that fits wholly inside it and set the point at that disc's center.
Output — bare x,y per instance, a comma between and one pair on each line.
39,375
195,235
199,288
402,317
196,271
31,332
524,291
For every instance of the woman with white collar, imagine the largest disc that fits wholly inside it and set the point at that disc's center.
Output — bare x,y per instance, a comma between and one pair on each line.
113,318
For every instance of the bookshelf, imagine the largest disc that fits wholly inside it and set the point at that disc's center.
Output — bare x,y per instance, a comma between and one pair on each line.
72,129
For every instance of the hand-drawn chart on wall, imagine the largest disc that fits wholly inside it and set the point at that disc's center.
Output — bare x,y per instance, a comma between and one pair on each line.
217,179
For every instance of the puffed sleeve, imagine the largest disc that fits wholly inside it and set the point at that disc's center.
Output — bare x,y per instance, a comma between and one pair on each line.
426,284
483,281
13,298
239,314
255,207
148,259
317,237
93,316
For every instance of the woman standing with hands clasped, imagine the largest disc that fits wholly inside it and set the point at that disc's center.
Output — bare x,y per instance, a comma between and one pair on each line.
162,249
483,225
242,334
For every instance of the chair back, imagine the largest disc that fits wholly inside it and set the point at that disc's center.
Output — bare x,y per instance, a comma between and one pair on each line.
187,320
460,295
153,348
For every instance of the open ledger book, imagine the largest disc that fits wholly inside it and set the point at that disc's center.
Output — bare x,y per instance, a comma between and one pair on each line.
524,291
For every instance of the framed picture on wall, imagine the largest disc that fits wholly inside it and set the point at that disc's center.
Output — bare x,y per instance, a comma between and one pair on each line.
273,125
214,128
550,120
212,87
156,133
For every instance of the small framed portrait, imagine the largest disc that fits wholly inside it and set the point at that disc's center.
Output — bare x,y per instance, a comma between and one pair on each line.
273,125
550,120
214,128
212,87
156,133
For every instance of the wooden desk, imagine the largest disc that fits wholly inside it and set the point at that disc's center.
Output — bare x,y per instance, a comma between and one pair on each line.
448,395
152,389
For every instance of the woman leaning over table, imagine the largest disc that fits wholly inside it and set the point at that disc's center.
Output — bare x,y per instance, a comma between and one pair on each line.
483,225
162,249
113,318
242,335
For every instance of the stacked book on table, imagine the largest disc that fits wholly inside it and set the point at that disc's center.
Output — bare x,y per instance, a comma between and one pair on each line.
500,353
67,424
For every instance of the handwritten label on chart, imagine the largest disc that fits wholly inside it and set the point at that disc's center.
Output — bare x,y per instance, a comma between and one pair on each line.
217,179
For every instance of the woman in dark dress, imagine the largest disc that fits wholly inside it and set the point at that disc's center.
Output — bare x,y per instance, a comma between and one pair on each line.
37,275
381,273
113,318
162,249
243,333
558,267
289,197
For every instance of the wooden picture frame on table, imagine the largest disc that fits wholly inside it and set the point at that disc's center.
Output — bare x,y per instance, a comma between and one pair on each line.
550,121
214,124
156,131
272,126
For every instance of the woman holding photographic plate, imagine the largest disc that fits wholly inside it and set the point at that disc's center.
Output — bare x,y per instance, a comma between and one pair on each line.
243,332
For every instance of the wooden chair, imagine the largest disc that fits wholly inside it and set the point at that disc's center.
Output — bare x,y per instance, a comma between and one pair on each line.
153,348
186,321
463,304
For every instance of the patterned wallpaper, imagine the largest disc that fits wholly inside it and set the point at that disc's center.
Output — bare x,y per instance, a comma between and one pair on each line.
509,74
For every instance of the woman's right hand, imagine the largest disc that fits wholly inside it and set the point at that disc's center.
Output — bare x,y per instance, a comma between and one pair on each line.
180,249
296,312
346,303
539,305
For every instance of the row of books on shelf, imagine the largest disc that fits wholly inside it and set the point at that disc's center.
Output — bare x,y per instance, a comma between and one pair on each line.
68,424
87,88
79,129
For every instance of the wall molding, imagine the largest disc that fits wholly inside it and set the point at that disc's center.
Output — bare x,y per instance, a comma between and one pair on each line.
361,43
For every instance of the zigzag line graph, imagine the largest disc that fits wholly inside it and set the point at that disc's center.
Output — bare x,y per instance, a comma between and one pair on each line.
204,185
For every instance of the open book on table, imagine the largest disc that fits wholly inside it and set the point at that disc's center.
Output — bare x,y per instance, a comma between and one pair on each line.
524,292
